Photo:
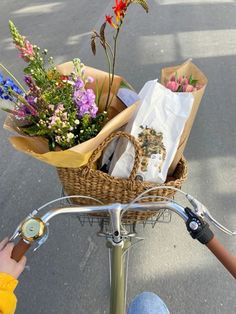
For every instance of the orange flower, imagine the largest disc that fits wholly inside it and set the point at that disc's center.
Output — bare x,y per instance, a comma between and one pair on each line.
109,21
119,9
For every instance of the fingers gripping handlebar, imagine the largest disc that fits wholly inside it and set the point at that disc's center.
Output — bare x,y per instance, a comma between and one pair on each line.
200,230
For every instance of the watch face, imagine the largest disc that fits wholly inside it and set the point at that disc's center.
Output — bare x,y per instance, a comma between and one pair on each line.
32,229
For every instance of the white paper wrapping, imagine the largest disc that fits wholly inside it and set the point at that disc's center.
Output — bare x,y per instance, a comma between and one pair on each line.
157,124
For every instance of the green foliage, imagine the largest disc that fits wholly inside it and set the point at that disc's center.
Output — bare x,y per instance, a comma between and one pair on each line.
90,128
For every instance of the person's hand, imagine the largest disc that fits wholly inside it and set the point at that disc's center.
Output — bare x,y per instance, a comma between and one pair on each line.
7,264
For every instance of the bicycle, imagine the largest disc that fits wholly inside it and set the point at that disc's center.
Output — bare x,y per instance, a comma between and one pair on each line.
34,228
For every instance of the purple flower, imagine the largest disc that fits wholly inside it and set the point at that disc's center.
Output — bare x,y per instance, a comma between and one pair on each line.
79,84
29,110
90,79
31,100
85,102
28,80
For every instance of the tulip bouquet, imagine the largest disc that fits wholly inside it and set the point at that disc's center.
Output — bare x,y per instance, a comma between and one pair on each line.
185,78
182,84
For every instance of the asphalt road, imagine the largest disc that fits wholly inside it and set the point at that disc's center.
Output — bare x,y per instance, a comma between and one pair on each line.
69,274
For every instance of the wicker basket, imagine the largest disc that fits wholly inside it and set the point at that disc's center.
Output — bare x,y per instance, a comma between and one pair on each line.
95,183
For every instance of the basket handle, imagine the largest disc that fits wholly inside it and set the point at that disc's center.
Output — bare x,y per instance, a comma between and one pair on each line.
138,151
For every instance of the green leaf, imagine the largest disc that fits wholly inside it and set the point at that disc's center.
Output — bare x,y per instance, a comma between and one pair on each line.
99,93
31,130
125,84
190,79
194,82
8,110
143,3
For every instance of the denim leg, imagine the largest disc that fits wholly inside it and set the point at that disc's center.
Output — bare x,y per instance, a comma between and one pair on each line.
147,303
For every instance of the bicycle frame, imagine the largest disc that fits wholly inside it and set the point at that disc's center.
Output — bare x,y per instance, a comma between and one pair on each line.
118,293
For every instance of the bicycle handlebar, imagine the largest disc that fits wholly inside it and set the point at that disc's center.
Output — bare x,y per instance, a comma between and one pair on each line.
204,235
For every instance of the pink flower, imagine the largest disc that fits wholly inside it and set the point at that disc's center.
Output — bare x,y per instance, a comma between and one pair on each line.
188,88
172,85
27,52
185,81
198,86
180,80
90,79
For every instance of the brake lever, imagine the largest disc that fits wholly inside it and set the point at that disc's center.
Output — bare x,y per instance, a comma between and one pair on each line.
202,211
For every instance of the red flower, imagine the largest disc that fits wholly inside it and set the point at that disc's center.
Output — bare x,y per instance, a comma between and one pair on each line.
64,78
109,21
119,9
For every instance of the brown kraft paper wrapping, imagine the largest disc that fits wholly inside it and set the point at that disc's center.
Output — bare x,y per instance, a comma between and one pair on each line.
187,69
78,155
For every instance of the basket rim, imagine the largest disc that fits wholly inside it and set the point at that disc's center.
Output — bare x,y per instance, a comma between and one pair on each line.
87,171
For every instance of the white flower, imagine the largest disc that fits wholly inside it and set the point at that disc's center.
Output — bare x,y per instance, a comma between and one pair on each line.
70,135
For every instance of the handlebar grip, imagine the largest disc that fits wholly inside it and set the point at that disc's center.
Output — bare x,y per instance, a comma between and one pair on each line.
223,255
20,249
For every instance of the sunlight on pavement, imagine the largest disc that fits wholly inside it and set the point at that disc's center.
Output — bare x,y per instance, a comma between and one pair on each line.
162,252
218,180
8,45
195,44
168,2
43,8
76,39
60,59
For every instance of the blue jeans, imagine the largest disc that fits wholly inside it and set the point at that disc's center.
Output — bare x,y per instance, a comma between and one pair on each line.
147,303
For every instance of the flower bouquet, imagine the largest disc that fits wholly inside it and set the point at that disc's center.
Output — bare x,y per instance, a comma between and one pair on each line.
66,111
185,78
67,115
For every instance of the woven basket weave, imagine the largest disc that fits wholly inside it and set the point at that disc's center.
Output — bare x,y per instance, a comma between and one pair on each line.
95,183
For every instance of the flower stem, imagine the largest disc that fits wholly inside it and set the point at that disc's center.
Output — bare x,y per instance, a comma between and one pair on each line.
114,55
109,81
12,76
21,99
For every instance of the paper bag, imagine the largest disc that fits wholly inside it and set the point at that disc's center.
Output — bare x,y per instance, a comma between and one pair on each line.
186,69
157,125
